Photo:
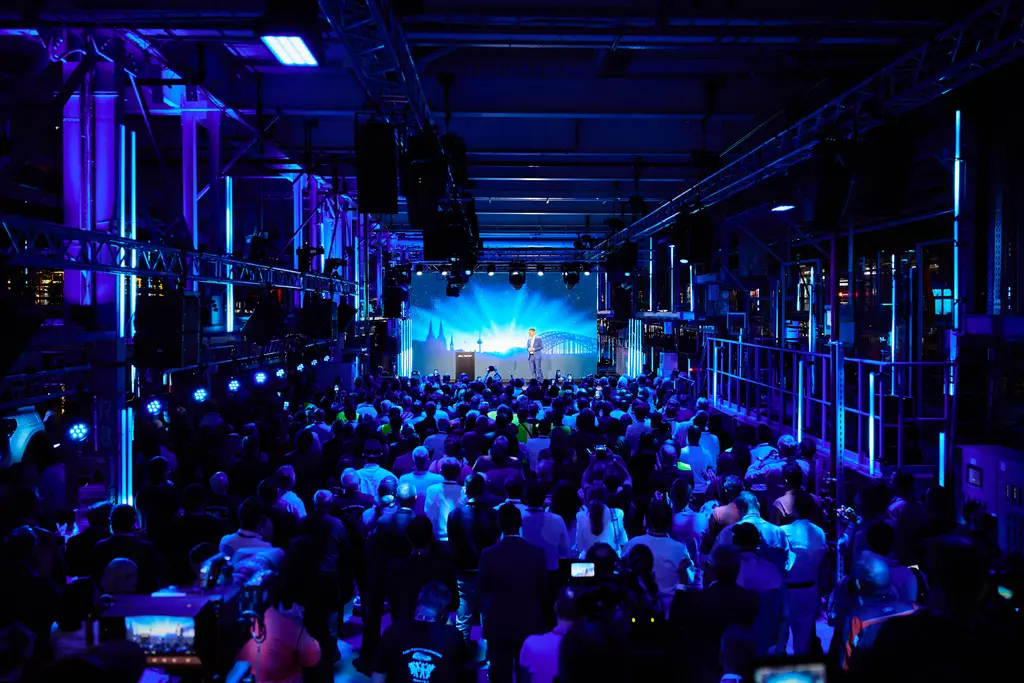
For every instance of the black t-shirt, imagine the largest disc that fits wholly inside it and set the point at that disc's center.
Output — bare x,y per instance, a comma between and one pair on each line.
421,652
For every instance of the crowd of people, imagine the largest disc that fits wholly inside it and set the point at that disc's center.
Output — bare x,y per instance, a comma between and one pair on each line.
607,529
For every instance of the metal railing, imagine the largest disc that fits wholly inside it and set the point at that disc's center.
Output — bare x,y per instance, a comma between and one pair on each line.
891,411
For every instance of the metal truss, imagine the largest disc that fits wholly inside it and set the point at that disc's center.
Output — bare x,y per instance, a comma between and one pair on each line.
375,42
984,41
38,244
503,258
37,387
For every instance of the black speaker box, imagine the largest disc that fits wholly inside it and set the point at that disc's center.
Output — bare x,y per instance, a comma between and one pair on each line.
167,331
346,314
465,363
395,299
266,322
319,318
377,168
622,304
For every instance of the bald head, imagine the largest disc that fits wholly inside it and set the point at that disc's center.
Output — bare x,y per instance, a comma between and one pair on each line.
872,574
350,479
406,495
219,483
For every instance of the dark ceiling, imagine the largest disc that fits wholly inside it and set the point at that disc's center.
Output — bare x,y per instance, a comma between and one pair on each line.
567,108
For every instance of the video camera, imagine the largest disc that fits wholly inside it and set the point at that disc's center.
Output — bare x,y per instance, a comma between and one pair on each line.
195,632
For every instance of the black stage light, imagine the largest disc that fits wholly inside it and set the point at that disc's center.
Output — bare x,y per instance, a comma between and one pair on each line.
419,269
571,275
517,275
453,289
540,269
491,270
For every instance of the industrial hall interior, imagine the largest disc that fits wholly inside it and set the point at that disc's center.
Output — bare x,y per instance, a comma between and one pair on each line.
511,341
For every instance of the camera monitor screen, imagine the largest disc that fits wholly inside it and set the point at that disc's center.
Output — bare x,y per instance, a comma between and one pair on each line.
813,672
582,570
161,635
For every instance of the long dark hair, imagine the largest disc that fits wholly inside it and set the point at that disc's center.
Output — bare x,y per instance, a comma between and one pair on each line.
597,494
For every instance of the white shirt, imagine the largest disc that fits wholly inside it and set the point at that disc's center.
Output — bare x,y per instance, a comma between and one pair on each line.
231,543
539,656
697,458
420,482
293,504
689,528
774,542
435,444
370,477
668,555
440,500
547,531
529,344
709,442
807,545
533,448
758,574
614,533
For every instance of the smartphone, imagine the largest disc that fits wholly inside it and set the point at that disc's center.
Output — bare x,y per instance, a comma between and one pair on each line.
337,388
683,466
1004,592
582,570
914,567
809,672
287,405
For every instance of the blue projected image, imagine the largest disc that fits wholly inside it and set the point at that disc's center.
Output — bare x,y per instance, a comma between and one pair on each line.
493,319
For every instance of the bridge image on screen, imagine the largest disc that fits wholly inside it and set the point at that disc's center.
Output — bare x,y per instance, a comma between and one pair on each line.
493,319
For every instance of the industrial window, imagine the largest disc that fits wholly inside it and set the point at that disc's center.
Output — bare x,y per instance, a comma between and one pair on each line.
943,301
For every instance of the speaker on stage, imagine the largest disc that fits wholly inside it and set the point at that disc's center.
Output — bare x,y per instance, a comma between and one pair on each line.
167,331
465,363
377,168
319,318
266,321
346,314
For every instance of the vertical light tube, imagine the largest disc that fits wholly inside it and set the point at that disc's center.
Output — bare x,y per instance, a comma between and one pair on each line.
892,324
127,495
942,458
132,221
229,247
650,275
871,423
714,374
672,276
693,305
800,402
122,225
953,351
811,321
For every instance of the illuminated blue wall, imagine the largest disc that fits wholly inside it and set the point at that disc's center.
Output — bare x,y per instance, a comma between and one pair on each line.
492,318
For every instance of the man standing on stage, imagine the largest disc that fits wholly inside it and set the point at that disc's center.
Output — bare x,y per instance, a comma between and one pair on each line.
535,347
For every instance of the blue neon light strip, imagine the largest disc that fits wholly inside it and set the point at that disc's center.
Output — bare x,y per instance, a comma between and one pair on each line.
122,226
800,402
672,276
892,324
942,458
871,424
229,244
956,258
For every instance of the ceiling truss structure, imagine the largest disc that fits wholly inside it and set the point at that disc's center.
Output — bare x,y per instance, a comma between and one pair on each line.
986,40
39,244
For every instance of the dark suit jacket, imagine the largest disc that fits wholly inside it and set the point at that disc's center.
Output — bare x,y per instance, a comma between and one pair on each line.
78,554
143,553
699,618
513,587
472,527
334,550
